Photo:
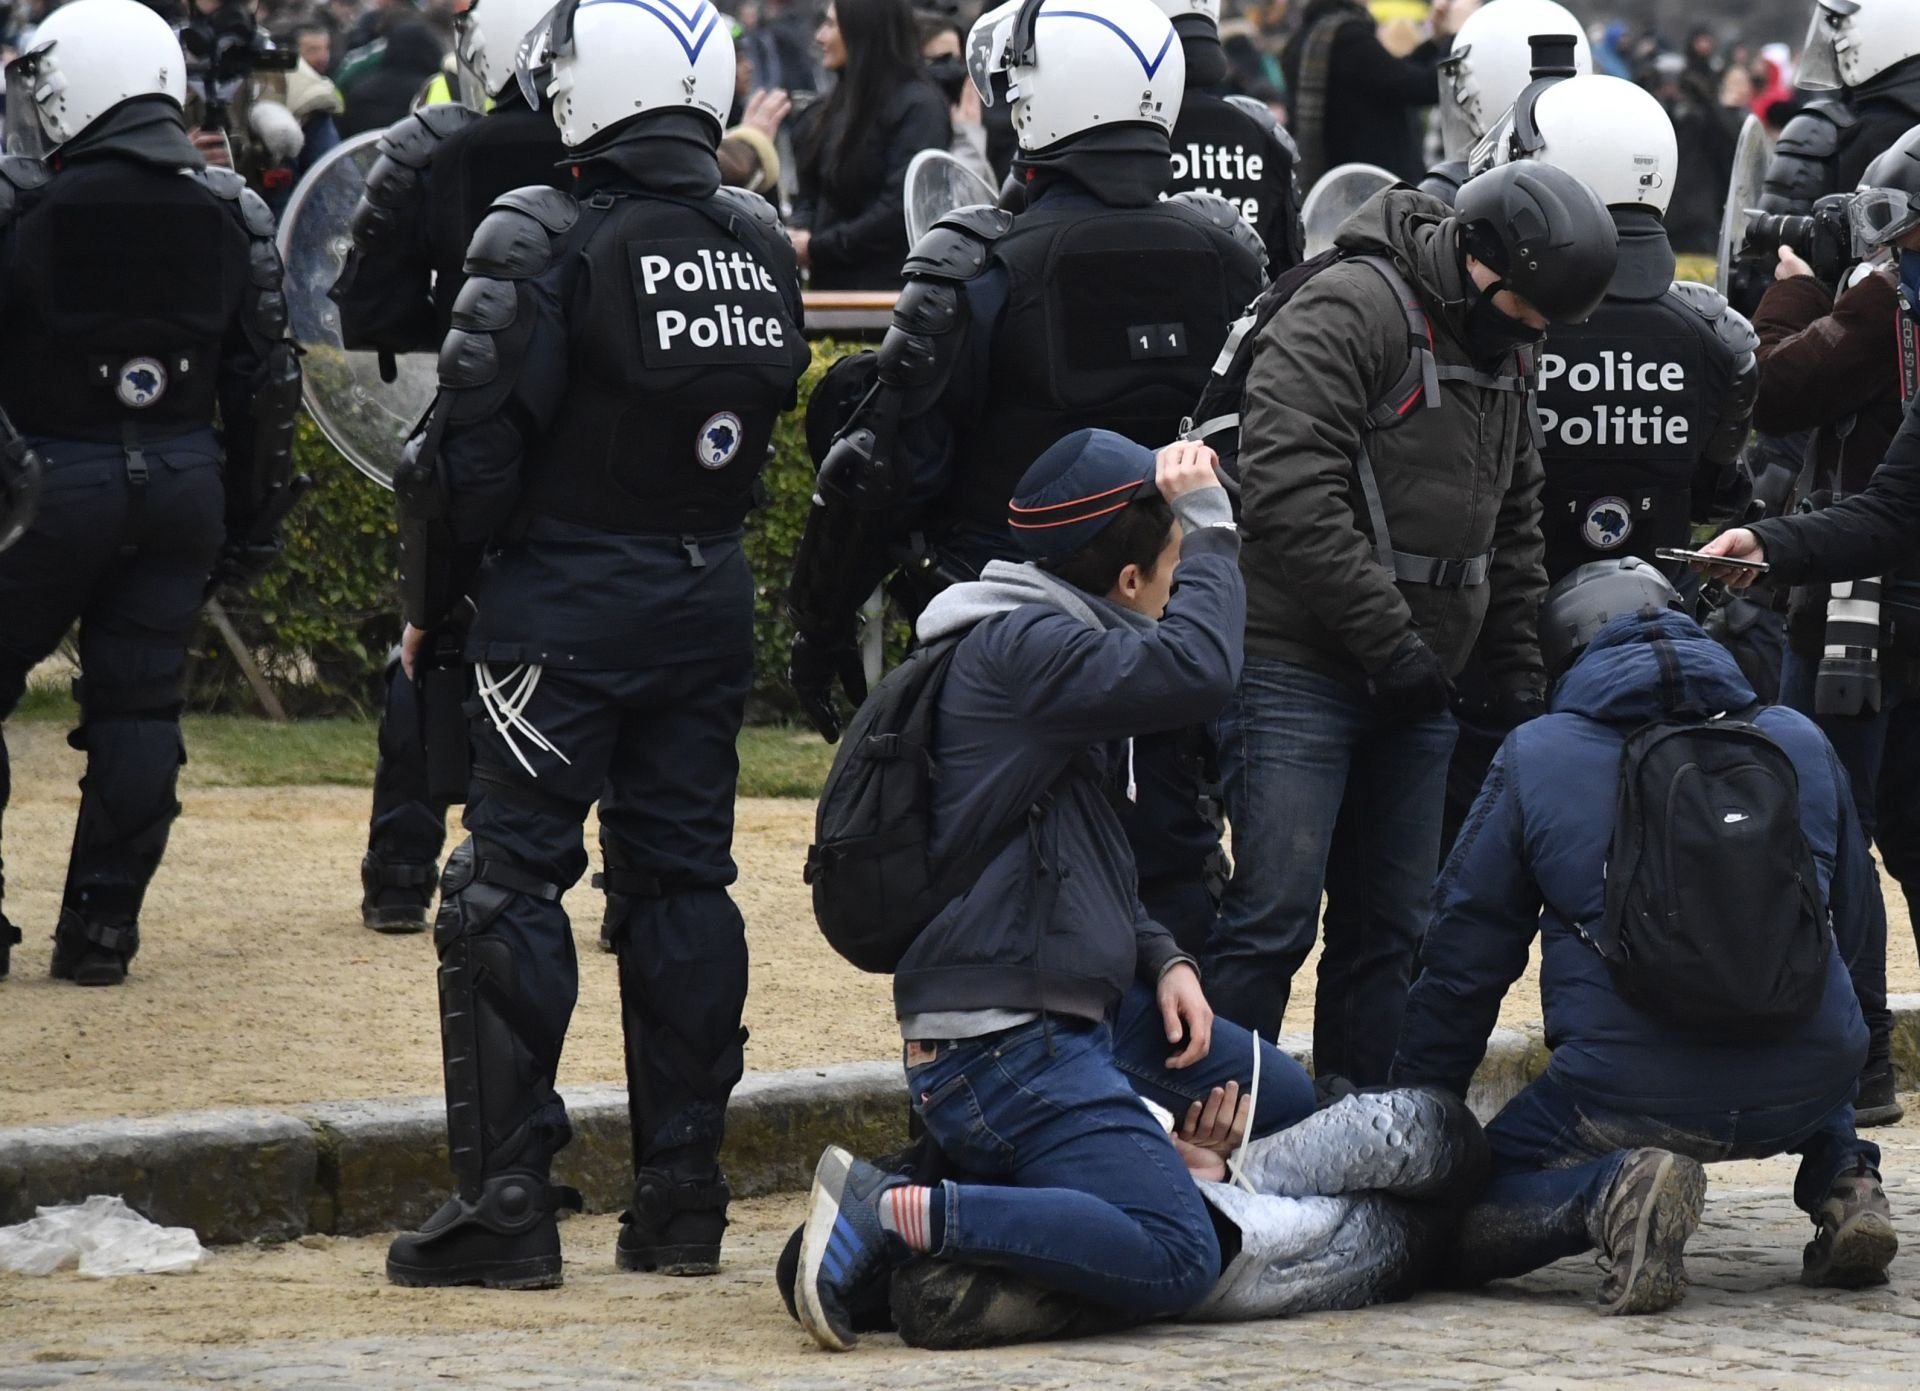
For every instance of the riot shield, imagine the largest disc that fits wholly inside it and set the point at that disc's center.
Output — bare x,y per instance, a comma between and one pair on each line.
1336,197
365,418
1751,157
937,183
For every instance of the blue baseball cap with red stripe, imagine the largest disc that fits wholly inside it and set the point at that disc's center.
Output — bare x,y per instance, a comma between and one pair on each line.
1074,489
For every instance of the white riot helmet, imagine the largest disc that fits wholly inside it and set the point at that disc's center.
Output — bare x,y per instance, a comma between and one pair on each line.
87,58
1208,10
486,39
1611,134
1075,65
1491,63
1854,41
602,62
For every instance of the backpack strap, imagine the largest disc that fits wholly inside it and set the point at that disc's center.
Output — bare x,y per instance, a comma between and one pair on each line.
1419,382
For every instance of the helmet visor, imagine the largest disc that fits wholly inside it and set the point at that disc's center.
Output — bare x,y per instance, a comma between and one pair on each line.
25,134
1878,217
551,38
1828,37
987,51
1486,150
1461,120
469,42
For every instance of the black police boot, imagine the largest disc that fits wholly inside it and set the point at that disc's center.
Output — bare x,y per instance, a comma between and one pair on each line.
506,1239
1876,1104
395,897
675,1224
93,951
9,939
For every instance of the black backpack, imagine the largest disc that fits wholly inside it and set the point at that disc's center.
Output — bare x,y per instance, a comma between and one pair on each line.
876,881
1713,920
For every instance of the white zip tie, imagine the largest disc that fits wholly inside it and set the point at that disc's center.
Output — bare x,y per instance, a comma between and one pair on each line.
505,709
1133,788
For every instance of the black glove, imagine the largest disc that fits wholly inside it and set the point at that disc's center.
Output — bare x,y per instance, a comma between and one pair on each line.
1513,708
814,664
1412,684
241,564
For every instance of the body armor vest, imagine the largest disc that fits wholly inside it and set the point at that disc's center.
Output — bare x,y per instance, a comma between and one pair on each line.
683,348
1112,321
513,148
1628,401
121,286
1220,149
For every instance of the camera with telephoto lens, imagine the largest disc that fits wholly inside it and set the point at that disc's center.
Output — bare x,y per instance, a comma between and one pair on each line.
224,49
1822,238
1848,679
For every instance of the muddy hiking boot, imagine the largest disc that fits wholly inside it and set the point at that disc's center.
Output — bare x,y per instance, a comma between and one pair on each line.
1876,1103
508,1239
674,1225
1641,1231
395,897
92,953
1853,1241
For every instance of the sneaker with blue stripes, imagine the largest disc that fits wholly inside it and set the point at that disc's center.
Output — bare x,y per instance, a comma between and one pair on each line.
843,1246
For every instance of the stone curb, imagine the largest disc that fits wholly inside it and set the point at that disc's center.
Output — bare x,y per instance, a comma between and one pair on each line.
352,1167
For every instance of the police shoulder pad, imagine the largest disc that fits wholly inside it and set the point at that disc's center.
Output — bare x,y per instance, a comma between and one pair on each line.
1262,115
257,216
1223,217
1730,326
749,205
956,247
23,173
485,305
221,183
1815,132
412,140
516,240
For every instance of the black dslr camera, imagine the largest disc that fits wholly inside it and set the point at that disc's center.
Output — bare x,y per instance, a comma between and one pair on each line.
224,48
1822,238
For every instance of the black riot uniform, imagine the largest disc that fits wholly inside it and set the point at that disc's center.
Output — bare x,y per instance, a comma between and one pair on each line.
1083,310
1234,148
1644,411
439,171
142,297
608,392
1828,146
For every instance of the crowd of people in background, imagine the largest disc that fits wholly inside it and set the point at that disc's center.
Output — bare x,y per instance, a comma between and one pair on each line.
863,85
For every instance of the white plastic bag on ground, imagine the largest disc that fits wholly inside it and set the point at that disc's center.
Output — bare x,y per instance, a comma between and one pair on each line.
105,1237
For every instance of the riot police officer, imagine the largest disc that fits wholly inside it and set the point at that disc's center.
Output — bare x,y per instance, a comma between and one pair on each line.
439,171
1099,304
609,387
1867,53
1483,74
1232,146
143,295
1644,409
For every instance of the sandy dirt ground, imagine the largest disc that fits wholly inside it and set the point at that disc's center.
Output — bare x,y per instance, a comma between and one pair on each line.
257,985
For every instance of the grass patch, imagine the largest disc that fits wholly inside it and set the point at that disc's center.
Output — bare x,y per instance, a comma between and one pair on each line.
783,761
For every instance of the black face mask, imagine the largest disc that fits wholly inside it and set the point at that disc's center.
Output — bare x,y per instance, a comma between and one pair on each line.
1490,332
949,74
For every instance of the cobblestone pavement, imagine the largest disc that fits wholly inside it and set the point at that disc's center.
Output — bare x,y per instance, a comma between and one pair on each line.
316,1314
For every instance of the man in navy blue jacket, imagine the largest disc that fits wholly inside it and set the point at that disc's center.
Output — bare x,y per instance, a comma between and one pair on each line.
1604,1151
1030,1001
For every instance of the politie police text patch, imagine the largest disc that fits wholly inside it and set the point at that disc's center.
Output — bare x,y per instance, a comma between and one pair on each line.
706,303
718,440
140,382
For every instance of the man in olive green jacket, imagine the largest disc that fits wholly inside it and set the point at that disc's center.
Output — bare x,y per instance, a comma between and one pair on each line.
1396,384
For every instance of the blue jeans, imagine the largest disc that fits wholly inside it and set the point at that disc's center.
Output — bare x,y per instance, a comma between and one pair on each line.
1555,1158
1325,794
1083,1191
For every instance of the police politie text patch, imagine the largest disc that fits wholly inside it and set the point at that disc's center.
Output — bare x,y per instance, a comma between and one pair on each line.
706,303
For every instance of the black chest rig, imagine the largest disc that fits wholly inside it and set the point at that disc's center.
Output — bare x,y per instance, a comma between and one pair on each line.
120,288
514,148
1112,320
684,347
1627,403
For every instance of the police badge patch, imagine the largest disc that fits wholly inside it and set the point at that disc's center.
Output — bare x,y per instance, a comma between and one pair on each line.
718,440
1609,523
140,382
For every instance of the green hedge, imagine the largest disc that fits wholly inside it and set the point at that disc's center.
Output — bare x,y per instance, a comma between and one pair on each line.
322,622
